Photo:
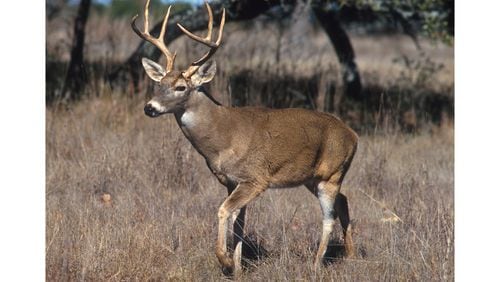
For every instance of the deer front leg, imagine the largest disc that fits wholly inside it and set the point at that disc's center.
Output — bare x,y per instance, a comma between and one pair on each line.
239,198
238,215
220,251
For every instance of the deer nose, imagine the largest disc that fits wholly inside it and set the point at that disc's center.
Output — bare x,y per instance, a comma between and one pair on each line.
150,111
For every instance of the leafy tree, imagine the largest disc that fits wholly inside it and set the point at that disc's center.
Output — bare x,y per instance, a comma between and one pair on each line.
430,18
126,8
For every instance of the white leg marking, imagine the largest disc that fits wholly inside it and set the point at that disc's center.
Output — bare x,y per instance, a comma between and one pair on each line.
326,202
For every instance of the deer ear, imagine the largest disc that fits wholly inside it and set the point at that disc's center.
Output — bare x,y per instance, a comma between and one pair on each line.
204,74
154,70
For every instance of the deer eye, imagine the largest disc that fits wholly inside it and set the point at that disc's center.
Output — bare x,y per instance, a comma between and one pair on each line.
180,88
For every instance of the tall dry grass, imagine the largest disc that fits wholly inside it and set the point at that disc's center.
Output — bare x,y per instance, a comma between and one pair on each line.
161,220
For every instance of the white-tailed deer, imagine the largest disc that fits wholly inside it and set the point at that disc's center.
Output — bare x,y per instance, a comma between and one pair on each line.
251,149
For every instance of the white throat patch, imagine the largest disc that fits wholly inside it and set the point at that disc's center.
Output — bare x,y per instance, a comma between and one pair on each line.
188,119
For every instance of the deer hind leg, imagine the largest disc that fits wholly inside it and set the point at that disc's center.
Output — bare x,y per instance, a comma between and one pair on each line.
342,210
326,193
239,198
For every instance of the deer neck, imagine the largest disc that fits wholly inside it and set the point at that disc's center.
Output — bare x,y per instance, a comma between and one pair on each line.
199,120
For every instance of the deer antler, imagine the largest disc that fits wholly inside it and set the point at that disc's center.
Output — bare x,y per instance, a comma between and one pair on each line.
158,42
207,41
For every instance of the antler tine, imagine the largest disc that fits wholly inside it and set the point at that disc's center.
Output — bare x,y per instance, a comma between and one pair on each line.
164,24
210,22
158,42
146,17
206,41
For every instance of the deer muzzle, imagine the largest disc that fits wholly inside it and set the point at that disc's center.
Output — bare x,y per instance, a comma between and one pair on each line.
150,111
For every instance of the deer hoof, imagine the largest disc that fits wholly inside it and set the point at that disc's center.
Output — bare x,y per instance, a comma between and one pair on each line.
227,270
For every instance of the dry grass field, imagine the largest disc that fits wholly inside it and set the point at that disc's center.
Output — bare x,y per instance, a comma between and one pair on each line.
160,220
129,199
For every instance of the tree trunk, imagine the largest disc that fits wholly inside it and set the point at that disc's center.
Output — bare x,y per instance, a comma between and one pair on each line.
345,53
75,76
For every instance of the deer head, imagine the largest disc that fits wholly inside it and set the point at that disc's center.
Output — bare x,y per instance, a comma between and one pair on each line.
174,87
